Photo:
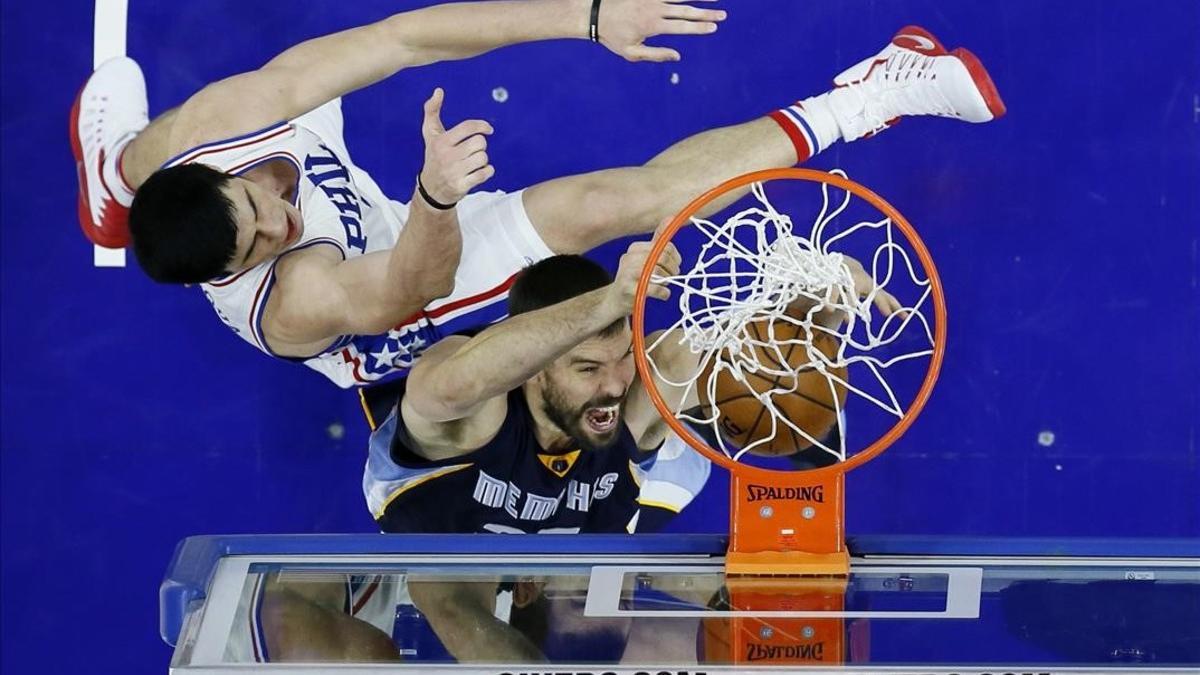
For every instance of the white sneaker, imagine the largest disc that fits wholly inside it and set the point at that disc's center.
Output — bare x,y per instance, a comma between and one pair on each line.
109,111
909,38
913,75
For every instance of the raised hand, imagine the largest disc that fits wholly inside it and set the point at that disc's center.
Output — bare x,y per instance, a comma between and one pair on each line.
625,25
456,160
885,302
623,289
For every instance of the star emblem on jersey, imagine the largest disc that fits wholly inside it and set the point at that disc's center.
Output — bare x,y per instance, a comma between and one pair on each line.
413,344
385,356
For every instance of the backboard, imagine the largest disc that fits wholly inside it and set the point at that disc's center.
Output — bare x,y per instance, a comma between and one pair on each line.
653,604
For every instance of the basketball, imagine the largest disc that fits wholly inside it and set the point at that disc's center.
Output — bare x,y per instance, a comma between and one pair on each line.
804,394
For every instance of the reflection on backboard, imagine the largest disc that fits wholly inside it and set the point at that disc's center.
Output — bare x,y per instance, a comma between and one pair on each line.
598,604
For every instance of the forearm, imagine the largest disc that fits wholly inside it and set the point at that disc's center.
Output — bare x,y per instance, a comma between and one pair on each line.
390,286
324,68
422,264
508,354
465,29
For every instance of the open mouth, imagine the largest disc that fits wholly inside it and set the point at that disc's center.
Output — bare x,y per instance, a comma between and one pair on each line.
602,420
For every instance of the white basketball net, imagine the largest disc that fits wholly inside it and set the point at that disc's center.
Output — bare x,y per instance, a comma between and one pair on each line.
735,284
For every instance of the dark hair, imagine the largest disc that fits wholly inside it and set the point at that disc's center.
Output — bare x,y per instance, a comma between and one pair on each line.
555,279
184,228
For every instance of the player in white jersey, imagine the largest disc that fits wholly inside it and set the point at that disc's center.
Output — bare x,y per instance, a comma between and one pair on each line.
301,253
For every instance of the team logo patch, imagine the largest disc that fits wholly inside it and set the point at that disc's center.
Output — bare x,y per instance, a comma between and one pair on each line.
559,465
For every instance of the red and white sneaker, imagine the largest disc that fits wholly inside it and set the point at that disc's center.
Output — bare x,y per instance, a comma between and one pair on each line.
913,75
909,38
109,111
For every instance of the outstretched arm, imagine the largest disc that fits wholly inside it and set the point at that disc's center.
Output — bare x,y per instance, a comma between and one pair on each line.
324,68
676,363
506,355
319,297
457,389
830,316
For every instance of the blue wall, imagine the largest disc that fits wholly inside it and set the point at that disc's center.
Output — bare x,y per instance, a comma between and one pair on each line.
1066,235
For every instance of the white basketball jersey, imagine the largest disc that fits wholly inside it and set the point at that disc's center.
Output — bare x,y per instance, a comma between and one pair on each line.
342,208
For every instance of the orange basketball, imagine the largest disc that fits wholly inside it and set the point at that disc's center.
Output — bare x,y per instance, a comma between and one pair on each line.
805,394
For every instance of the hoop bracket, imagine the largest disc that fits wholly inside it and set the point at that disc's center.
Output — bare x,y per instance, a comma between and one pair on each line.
794,525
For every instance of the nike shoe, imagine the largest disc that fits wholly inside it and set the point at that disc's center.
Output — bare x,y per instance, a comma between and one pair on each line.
109,111
909,38
913,75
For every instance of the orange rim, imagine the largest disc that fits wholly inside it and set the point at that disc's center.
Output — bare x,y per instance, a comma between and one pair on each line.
862,192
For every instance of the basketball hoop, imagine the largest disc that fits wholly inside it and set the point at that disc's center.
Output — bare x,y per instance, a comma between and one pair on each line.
755,311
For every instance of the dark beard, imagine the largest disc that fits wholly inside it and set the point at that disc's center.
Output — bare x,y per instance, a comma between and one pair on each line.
571,421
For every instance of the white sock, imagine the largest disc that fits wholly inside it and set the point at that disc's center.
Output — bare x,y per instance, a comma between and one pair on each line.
810,124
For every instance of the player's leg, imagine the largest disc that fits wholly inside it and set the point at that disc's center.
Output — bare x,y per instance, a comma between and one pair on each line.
576,213
913,75
305,620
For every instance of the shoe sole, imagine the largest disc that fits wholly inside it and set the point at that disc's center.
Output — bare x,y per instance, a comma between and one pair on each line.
979,74
94,234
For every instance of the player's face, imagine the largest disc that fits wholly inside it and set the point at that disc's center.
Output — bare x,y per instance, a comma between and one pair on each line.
266,224
584,391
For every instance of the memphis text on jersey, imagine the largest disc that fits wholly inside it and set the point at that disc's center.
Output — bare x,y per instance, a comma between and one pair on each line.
501,494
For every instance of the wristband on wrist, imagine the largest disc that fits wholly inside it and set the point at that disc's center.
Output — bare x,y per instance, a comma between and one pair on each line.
594,22
430,200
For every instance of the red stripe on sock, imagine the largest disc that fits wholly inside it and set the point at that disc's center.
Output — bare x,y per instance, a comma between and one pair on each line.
803,152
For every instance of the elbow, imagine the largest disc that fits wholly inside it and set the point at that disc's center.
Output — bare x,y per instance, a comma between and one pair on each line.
444,401
439,287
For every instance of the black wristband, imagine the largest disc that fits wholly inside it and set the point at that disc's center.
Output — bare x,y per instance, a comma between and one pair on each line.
594,23
430,200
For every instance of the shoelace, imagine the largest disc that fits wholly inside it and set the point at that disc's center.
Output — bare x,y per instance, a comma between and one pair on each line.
905,85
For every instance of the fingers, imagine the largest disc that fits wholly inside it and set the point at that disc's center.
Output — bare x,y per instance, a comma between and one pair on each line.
662,228
689,13
456,161
472,163
681,27
432,124
662,269
666,266
472,145
886,303
655,54
464,130
475,178
658,291
670,260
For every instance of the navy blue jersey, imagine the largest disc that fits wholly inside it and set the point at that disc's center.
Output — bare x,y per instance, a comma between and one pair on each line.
511,485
